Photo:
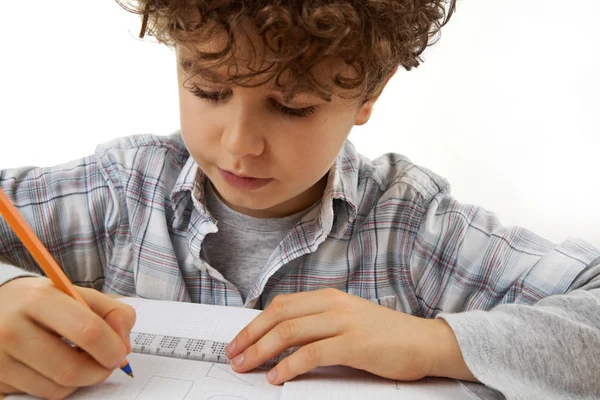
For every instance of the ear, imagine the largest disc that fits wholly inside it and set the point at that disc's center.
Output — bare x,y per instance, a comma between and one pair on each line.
364,113
365,110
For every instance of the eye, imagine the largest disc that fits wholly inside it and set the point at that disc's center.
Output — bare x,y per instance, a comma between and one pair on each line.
211,96
293,112
226,94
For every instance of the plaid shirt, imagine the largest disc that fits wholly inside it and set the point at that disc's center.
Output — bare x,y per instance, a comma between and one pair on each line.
131,219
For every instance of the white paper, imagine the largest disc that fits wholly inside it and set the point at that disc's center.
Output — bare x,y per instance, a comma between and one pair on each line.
165,378
168,378
342,383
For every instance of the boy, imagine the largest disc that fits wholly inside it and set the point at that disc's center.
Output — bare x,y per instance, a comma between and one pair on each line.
260,201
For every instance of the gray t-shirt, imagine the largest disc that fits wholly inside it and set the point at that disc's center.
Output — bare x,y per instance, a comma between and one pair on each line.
243,244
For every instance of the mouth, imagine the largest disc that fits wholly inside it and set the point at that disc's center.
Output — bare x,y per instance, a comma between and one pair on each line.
240,175
244,182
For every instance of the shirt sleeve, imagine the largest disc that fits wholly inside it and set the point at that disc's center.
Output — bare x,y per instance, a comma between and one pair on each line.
550,350
8,273
72,208
525,311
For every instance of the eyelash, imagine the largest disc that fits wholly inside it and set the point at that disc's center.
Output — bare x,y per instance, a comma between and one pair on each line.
216,96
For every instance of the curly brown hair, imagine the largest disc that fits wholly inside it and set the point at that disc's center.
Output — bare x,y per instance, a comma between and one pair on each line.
372,37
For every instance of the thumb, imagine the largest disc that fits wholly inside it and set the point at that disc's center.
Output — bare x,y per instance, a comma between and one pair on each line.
118,315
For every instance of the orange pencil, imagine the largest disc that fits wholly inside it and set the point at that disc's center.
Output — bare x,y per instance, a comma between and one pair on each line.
42,256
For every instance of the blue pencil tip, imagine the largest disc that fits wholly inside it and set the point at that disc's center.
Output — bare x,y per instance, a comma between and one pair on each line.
127,370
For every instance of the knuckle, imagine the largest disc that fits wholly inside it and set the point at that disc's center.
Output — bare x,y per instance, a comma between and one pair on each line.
8,336
310,355
34,295
278,301
356,338
286,331
275,309
67,376
348,313
90,332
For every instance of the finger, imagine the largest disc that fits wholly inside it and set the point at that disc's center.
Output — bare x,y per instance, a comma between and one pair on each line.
24,379
283,307
7,389
53,358
318,354
286,334
120,316
70,319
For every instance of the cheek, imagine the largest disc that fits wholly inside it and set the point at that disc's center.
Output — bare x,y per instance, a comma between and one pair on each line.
319,145
191,111
200,142
197,128
307,158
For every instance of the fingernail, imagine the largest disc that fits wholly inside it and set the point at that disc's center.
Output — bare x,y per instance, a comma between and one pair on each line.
238,360
230,347
272,375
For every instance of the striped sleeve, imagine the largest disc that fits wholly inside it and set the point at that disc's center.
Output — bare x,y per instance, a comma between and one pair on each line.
71,208
465,259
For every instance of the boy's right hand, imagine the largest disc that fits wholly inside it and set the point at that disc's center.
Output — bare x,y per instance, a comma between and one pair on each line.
35,315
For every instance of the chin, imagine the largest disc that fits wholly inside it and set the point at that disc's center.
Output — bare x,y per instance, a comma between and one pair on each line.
250,200
254,205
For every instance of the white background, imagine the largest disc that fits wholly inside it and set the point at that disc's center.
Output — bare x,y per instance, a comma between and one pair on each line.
503,106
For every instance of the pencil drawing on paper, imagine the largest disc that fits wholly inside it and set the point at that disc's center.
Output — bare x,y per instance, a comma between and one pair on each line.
216,372
177,388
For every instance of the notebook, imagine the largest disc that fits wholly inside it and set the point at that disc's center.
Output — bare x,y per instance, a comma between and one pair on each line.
158,377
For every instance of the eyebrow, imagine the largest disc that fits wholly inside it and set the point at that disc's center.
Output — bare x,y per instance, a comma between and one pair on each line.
187,67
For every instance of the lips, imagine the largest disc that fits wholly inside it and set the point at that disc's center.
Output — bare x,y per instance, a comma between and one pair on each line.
242,176
244,182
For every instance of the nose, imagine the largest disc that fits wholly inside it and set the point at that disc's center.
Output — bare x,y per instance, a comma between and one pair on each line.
242,136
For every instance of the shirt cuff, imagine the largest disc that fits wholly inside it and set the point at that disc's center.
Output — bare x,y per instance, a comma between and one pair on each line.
10,272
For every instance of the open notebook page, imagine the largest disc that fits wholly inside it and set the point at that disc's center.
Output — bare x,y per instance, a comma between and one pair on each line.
167,378
159,377
342,383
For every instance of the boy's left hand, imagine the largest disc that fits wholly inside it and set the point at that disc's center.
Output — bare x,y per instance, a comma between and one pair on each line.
336,328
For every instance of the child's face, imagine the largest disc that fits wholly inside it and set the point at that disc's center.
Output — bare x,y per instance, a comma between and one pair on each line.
252,132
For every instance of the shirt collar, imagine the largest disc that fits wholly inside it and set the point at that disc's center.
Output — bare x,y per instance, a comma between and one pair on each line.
343,179
185,182
342,184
